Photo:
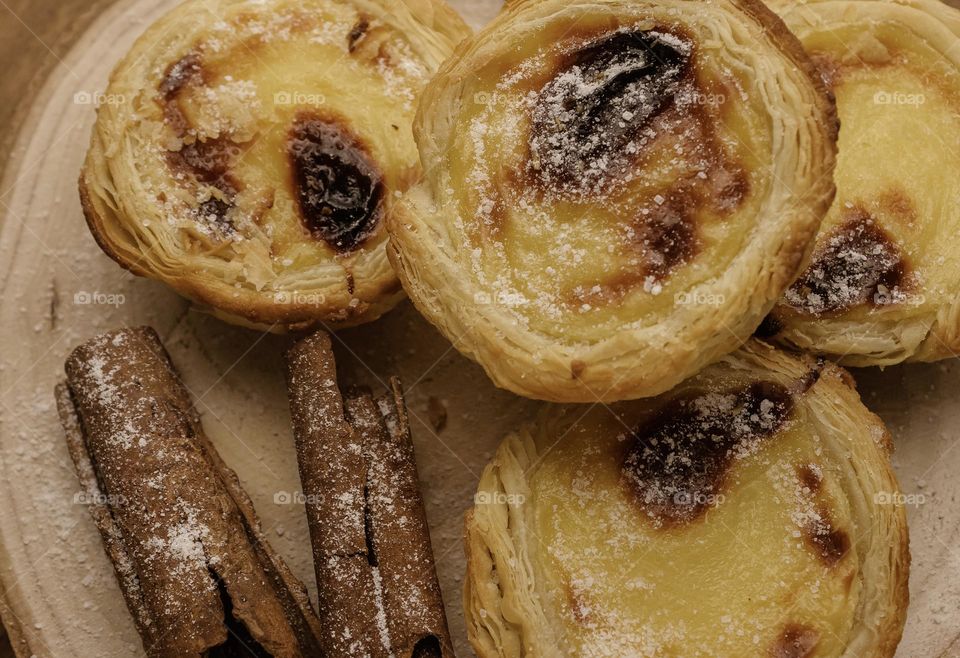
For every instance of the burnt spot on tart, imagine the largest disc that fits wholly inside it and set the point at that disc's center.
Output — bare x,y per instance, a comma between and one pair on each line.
727,186
183,71
664,234
795,641
829,543
810,478
186,71
658,241
371,42
668,234
676,464
896,203
813,376
357,32
666,230
613,108
600,99
857,263
208,161
214,212
338,189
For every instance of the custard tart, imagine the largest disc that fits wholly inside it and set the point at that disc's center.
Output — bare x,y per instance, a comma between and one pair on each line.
246,152
883,284
752,511
615,192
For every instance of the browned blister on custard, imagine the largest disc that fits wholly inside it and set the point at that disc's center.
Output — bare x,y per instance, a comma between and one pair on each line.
677,463
829,543
796,641
357,32
208,161
857,264
587,117
336,183
613,107
184,71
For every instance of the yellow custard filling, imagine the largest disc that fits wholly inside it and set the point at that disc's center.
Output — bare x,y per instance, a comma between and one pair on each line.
583,235
763,565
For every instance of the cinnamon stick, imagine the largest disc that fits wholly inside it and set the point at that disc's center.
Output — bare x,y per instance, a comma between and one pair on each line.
197,574
332,473
365,510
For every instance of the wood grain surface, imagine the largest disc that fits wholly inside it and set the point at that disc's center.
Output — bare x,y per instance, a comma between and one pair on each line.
59,596
34,38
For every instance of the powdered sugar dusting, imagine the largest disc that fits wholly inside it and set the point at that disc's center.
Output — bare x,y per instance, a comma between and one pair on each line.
211,119
617,580
676,466
856,263
599,152
183,545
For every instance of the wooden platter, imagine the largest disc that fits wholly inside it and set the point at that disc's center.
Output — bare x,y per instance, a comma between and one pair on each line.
59,595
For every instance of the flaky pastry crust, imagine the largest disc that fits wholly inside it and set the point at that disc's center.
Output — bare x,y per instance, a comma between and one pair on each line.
246,152
752,511
615,193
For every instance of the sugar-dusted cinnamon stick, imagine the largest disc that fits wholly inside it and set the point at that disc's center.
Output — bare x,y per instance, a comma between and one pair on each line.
374,563
399,533
195,570
332,474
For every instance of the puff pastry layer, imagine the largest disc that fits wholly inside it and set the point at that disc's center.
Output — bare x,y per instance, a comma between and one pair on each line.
246,152
882,286
615,191
750,512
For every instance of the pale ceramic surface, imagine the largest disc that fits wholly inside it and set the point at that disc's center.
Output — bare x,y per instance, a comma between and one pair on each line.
60,594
